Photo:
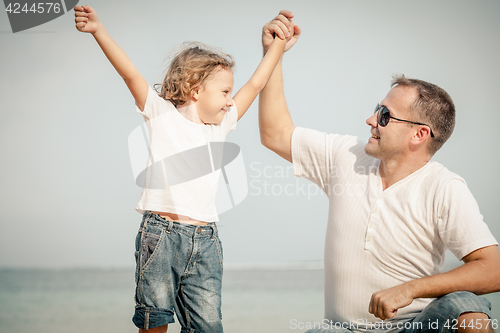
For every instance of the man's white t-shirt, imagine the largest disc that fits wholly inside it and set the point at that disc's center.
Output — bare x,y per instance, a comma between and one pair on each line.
378,239
180,176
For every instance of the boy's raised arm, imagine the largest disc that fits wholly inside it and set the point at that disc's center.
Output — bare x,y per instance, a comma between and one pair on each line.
247,94
86,20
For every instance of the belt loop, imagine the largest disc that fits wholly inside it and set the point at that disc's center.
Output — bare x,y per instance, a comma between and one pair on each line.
146,219
170,225
214,231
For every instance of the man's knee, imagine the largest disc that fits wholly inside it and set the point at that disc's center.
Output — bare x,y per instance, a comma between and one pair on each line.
462,302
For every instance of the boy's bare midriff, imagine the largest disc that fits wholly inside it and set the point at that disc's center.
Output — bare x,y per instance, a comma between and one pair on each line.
179,218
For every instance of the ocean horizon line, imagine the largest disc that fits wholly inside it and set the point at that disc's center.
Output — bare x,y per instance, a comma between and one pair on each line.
241,266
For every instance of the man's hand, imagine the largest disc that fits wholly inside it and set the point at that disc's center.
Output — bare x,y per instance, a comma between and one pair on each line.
283,27
385,304
86,19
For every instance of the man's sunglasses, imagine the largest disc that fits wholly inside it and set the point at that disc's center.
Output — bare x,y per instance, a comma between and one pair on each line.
384,116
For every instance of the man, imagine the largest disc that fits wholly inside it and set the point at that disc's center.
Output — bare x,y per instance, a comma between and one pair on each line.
393,212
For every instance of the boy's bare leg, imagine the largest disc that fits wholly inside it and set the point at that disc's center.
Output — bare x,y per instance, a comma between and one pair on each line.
161,329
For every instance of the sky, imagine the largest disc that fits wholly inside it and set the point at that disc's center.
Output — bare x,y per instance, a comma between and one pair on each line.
68,192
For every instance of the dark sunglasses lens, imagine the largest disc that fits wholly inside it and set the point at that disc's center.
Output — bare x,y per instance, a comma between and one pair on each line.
377,111
384,116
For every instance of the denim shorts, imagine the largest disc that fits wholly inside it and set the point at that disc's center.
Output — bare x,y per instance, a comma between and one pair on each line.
178,269
439,316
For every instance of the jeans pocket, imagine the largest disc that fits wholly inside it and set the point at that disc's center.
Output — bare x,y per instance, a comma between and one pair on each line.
149,243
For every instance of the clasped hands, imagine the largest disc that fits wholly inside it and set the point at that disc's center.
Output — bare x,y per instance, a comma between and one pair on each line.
283,27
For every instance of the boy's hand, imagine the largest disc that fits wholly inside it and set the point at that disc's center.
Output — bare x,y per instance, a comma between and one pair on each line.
86,19
283,27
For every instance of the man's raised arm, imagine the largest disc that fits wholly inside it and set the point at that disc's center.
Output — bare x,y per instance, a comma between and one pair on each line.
275,123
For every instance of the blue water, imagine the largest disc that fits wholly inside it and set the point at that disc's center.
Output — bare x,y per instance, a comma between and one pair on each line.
98,300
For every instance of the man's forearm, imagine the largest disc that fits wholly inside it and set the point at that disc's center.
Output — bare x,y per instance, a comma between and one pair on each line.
481,276
271,103
275,122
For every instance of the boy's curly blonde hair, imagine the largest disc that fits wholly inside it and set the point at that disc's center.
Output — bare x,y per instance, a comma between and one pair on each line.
189,69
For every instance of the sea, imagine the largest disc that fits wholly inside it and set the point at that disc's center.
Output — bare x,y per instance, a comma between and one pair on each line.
94,300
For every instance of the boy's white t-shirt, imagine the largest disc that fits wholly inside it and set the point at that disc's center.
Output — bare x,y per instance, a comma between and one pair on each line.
180,177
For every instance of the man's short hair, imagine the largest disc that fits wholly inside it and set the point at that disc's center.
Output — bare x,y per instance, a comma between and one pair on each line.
433,106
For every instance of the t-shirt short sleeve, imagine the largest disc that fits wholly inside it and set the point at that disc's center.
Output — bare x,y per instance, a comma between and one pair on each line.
155,105
461,225
315,154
